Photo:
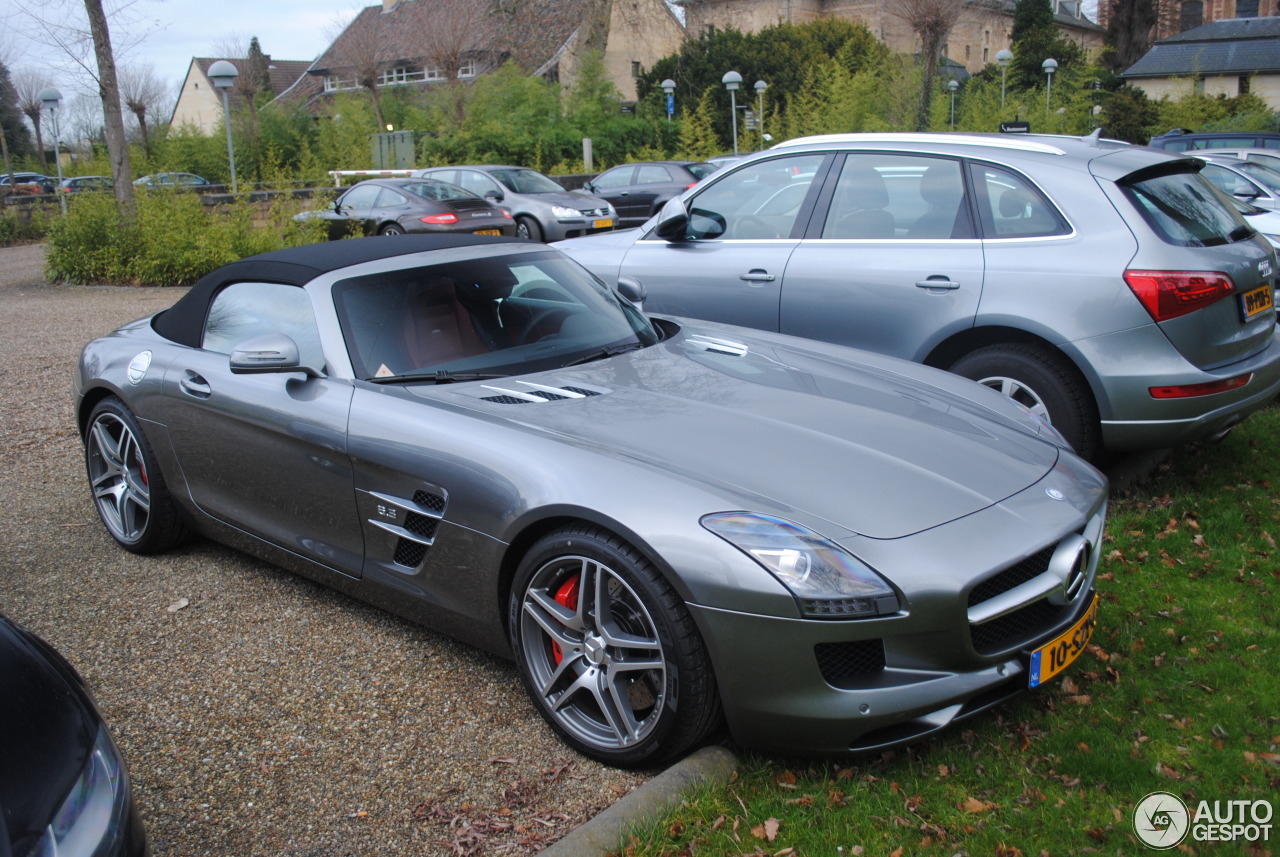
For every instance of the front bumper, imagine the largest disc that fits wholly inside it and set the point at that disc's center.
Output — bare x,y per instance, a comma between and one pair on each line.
978,596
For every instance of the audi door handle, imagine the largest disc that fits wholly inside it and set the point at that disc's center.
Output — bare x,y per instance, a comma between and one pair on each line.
938,281
756,277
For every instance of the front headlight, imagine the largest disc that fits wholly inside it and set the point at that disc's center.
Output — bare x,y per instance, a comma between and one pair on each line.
562,211
92,817
826,580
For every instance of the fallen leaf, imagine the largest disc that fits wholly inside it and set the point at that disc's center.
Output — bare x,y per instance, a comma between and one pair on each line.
178,605
976,806
767,831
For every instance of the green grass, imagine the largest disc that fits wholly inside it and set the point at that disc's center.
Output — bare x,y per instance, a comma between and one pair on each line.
1178,692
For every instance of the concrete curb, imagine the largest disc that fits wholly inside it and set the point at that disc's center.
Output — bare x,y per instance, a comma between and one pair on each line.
603,833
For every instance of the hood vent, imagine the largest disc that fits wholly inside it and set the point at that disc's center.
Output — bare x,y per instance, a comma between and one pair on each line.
717,346
535,393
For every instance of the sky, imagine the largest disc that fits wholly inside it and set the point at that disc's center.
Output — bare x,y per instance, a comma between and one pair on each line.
166,34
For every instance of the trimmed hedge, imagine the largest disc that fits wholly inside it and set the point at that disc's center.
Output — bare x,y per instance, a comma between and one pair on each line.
174,241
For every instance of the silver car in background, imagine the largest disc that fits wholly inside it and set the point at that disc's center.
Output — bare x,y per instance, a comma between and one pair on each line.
543,210
1109,288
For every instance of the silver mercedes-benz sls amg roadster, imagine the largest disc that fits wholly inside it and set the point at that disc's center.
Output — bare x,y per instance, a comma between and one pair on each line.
669,525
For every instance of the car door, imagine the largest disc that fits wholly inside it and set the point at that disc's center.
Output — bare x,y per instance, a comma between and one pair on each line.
891,261
743,227
266,453
354,213
614,187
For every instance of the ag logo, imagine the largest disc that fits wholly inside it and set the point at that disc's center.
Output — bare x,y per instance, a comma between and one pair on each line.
1161,820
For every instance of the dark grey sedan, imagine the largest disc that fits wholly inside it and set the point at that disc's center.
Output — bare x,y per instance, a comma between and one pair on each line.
665,523
403,206
638,191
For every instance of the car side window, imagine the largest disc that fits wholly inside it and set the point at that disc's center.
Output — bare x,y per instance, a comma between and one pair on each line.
1012,207
761,200
390,199
652,174
243,311
619,177
361,196
885,196
477,183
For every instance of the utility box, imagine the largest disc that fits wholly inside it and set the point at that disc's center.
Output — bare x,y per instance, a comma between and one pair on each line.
393,150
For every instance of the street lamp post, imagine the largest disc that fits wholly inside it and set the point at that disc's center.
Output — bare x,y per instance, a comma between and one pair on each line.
1004,56
223,76
669,87
761,86
953,85
1050,66
50,99
732,80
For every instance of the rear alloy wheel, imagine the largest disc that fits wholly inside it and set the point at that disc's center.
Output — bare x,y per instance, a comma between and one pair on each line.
392,229
1045,384
527,227
128,488
608,651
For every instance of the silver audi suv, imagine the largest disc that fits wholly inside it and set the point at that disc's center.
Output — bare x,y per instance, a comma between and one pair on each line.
1111,289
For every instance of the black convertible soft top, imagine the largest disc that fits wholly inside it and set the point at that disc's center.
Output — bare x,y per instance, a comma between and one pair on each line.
184,321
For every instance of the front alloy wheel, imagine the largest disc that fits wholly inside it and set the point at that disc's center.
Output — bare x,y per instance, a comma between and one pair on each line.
127,487
603,646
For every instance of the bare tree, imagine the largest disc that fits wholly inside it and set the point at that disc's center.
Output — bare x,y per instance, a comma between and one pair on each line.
113,122
362,52
254,77
451,39
142,91
29,83
932,22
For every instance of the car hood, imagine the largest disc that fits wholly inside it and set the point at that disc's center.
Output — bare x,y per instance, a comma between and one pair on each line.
571,199
877,446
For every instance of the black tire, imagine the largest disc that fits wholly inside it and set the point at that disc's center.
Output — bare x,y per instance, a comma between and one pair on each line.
1043,382
527,227
392,229
631,691
129,491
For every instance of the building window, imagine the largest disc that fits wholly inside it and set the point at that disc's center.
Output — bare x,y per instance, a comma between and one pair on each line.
334,83
986,55
1242,86
1192,15
966,53
635,68
1246,8
432,72
400,76
986,37
467,69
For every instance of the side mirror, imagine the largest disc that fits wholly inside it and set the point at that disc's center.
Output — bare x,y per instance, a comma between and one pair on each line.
633,290
495,195
673,221
270,353
334,207
589,187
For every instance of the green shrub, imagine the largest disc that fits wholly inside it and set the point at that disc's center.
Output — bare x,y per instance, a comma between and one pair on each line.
174,241
15,229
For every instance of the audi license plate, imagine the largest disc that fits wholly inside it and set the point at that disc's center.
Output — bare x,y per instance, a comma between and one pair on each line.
1057,654
488,231
1255,301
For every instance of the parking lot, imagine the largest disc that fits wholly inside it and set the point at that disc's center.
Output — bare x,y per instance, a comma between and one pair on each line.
260,713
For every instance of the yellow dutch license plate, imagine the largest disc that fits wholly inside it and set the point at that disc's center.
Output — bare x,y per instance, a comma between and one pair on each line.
1056,655
488,231
1255,301
601,224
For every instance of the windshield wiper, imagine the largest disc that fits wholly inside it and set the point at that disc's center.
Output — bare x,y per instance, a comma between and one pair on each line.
604,353
439,377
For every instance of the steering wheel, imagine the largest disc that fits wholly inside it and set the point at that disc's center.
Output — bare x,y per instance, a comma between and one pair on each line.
539,316
751,226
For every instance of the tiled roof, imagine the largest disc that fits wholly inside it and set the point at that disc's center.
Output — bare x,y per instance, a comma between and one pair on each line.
281,74
1235,46
529,32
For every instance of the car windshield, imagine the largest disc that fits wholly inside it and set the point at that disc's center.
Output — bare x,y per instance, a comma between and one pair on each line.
495,315
1185,209
430,189
526,181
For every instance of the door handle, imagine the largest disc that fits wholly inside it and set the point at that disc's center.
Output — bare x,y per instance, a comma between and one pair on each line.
757,277
195,385
941,282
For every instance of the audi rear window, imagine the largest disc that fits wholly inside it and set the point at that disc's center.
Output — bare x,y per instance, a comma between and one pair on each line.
1186,210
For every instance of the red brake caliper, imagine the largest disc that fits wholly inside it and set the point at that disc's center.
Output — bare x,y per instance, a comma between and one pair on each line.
566,595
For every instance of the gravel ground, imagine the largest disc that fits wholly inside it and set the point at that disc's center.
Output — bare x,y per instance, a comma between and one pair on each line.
269,716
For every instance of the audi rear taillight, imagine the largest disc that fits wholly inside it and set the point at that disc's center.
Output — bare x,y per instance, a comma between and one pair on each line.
1169,294
440,219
